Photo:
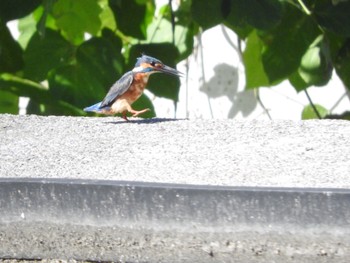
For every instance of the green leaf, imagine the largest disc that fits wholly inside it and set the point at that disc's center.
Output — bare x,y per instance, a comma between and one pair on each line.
10,51
342,63
184,41
99,65
285,45
316,66
75,18
27,28
297,82
160,31
242,30
44,54
254,70
161,85
106,16
182,14
45,17
38,21
23,87
261,14
333,17
75,85
36,92
309,113
8,102
132,16
14,9
238,15
102,58
210,13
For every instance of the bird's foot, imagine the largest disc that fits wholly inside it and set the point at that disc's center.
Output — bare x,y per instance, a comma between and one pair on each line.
137,113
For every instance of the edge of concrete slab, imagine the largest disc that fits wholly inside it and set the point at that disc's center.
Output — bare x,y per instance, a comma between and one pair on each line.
152,222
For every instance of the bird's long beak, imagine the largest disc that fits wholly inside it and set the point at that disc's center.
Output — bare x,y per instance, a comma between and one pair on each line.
168,70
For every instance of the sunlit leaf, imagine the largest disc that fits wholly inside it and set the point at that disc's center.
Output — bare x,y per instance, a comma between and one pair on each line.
36,22
254,70
27,28
75,18
309,112
43,16
160,31
106,16
316,66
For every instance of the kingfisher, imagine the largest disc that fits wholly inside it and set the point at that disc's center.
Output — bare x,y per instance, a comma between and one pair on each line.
130,87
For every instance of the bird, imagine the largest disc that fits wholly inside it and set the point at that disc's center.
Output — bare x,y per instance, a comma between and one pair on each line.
130,87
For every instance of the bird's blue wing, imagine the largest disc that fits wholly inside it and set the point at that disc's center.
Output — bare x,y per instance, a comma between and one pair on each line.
118,88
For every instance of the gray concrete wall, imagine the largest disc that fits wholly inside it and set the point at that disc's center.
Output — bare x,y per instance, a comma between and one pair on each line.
174,190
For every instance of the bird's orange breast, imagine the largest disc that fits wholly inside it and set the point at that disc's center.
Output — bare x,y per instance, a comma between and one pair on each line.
136,88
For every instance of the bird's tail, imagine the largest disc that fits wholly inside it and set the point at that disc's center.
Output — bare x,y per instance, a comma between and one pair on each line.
97,108
94,108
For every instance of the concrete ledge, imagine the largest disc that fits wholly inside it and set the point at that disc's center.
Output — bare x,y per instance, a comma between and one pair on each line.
174,190
142,222
203,152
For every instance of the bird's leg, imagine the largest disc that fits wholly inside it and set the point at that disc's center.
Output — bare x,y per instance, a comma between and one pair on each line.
124,116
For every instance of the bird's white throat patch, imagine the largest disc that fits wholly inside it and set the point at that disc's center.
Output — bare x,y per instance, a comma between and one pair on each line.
137,69
141,70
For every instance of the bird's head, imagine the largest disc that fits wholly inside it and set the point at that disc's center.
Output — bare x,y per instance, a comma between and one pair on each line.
149,65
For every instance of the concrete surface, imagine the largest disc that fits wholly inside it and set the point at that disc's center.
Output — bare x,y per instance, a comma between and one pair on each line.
147,222
165,190
205,152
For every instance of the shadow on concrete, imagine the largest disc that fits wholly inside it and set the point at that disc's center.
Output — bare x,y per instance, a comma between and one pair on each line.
225,83
143,121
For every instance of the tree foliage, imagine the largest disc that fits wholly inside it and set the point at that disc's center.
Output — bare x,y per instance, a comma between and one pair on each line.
62,70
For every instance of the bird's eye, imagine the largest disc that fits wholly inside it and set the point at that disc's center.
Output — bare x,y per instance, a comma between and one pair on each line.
156,64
